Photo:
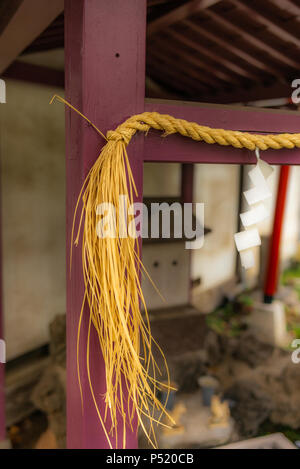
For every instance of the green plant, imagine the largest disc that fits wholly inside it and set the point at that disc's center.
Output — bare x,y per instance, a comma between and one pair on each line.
225,320
245,300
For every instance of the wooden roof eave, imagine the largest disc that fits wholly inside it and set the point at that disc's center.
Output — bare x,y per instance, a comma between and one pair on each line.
17,32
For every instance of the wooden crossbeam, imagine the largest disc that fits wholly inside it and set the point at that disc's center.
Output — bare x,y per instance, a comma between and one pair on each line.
206,62
192,63
229,65
253,40
178,14
195,80
156,90
28,22
38,74
7,10
263,18
176,148
287,5
234,49
160,71
247,94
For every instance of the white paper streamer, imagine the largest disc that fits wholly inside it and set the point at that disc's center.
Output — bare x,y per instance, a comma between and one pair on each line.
257,214
247,239
247,258
261,190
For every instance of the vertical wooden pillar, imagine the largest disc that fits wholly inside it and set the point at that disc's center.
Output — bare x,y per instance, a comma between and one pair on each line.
105,79
187,183
2,404
187,196
2,378
272,270
2,366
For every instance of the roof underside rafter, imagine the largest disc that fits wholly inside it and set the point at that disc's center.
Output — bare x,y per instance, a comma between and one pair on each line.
209,50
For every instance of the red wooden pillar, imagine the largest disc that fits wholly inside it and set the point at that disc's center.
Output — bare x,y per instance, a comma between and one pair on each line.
105,73
274,251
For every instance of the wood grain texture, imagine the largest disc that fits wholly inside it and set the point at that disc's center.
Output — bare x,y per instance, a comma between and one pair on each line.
105,73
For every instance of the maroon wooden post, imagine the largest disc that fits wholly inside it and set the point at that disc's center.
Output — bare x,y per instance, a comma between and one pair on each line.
187,183
2,366
2,405
187,196
2,378
105,62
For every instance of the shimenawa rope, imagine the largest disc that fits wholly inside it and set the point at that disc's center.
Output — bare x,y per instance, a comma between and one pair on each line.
111,268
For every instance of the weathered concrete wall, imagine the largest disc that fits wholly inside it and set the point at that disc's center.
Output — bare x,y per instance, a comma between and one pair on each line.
162,180
217,187
33,214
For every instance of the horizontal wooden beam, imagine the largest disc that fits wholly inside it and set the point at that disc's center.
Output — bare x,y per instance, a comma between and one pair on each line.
242,118
30,20
38,74
177,149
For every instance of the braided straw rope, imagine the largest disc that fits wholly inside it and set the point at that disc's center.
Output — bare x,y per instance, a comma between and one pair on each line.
111,270
170,125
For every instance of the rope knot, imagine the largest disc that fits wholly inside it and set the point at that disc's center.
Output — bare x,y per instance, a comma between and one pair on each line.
114,135
118,135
